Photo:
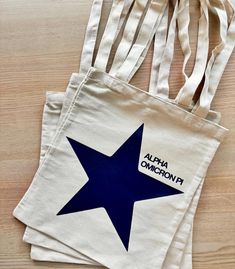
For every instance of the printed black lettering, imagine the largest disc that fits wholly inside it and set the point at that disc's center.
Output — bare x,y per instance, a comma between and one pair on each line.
179,180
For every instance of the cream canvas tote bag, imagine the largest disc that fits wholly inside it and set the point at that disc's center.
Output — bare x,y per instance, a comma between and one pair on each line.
32,235
93,71
50,112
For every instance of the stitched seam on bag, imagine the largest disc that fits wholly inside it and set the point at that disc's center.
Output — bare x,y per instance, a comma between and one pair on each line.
197,179
131,87
107,80
52,146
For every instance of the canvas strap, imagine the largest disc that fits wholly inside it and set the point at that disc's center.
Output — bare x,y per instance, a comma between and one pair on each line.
159,46
187,91
92,32
185,95
159,84
218,60
110,34
183,19
145,50
162,87
128,34
145,35
125,11
90,36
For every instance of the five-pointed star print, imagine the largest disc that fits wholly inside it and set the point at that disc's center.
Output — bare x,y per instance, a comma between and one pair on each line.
115,183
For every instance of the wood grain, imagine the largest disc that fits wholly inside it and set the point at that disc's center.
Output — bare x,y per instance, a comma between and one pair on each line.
40,45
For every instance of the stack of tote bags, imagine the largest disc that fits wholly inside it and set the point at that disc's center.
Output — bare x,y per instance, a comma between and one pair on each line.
121,169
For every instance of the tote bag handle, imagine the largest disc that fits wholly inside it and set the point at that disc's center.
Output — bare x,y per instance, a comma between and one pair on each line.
215,66
164,48
128,34
142,20
158,50
119,7
92,31
186,93
161,63
162,88
143,40
125,11
215,69
183,20
90,36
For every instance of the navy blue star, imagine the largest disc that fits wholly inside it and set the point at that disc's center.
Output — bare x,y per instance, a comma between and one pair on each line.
115,183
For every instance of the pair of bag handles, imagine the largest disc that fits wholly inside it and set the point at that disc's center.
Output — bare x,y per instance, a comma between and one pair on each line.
149,18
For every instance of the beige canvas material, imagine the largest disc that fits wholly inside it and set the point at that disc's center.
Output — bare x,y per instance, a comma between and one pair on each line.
182,242
183,20
180,250
126,9
159,45
128,34
50,112
133,69
109,34
184,255
53,106
54,102
103,77
186,258
42,244
209,130
73,85
221,12
90,36
33,236
44,253
221,58
162,87
187,91
212,131
67,101
144,38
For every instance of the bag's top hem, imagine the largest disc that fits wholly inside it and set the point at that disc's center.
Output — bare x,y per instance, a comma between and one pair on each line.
123,87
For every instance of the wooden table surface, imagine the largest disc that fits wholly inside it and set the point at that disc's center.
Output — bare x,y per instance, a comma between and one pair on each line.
40,45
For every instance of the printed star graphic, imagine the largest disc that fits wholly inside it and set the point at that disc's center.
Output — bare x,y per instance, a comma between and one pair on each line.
115,183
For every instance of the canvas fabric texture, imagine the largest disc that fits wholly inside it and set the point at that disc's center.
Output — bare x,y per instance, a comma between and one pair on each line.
51,110
161,118
166,206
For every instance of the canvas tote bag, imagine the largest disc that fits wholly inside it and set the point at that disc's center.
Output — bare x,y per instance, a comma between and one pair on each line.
184,255
44,254
32,236
52,112
182,250
51,105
